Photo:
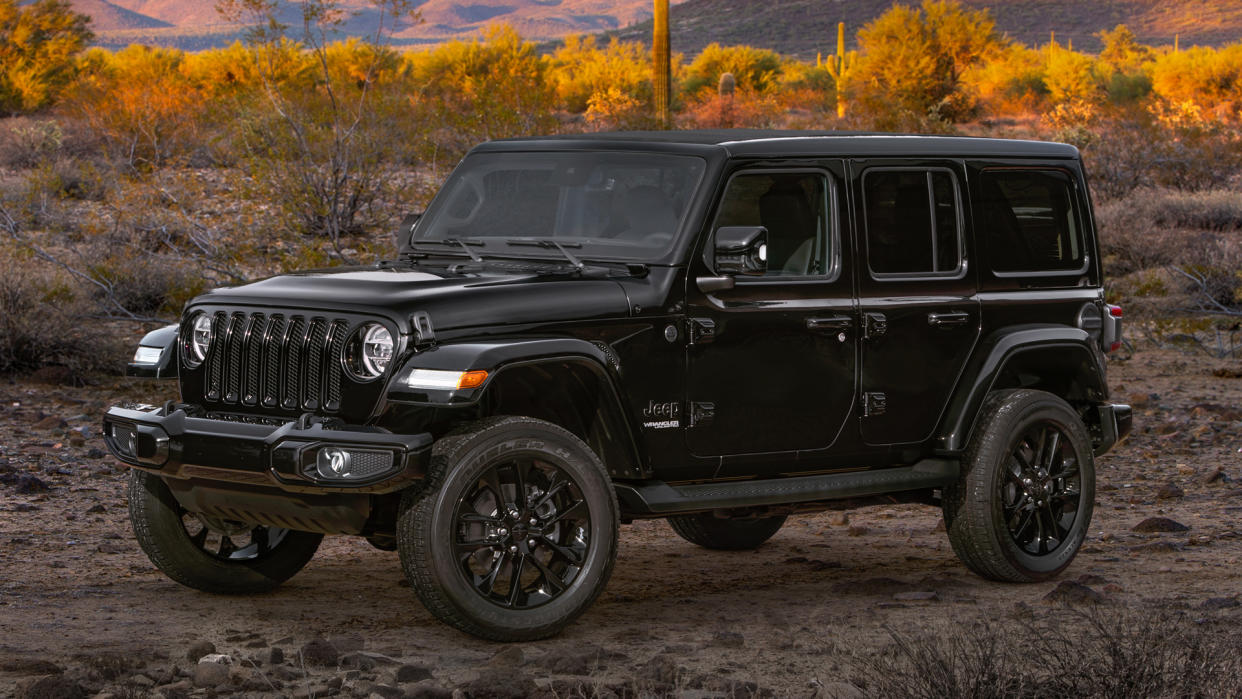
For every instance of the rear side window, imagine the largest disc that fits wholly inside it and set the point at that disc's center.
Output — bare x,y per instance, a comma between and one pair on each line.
1030,222
913,222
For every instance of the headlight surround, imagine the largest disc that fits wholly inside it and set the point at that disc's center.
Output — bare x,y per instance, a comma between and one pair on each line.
199,341
369,352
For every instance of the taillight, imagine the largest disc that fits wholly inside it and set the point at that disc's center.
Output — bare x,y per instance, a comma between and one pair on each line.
1114,312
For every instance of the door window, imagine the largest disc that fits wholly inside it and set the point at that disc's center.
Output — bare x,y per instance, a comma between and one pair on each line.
794,207
913,223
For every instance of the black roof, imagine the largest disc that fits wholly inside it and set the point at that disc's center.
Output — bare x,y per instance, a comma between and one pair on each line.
772,142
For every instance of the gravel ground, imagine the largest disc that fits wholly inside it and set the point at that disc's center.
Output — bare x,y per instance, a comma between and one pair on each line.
83,613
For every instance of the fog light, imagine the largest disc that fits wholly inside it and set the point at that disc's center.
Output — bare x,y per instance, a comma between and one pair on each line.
344,464
126,440
334,462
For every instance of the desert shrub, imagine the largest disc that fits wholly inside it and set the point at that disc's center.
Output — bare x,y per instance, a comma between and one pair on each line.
38,42
1010,82
42,324
1209,78
582,72
1106,654
755,70
29,142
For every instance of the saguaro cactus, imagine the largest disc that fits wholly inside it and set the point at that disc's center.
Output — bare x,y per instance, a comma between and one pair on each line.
661,63
725,89
839,67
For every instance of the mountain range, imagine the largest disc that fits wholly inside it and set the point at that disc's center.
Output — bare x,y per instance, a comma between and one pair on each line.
794,27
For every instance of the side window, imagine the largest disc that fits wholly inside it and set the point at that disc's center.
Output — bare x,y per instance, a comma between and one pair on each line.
1030,221
794,207
913,222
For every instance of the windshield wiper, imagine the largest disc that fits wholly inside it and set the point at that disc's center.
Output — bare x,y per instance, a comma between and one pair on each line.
463,243
548,244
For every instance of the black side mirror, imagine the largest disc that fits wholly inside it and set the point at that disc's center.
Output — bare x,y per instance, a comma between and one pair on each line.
741,250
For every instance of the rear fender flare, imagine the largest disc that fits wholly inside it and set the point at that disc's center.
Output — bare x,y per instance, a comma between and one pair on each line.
1069,347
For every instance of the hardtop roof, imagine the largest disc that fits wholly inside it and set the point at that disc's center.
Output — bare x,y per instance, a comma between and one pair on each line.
773,142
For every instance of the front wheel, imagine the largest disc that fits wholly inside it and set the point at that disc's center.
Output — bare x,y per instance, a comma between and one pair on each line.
514,534
211,554
1022,505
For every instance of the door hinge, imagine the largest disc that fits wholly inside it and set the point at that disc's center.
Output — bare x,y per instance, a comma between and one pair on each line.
424,333
875,325
702,413
702,331
874,404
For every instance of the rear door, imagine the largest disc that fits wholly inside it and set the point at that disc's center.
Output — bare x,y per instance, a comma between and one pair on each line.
917,296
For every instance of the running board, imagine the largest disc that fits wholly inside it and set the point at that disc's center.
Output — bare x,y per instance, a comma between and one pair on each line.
659,498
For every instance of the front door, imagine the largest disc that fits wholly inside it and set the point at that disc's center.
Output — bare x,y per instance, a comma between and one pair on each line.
772,365
919,310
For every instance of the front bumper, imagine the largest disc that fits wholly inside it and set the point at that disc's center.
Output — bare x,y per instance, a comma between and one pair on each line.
1115,422
168,441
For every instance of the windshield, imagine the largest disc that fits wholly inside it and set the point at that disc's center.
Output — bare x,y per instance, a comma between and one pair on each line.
622,206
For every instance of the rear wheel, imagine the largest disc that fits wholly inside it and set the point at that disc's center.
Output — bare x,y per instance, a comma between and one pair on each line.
1022,505
515,532
211,554
712,532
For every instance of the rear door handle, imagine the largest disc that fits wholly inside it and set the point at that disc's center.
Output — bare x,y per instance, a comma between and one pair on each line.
948,320
830,324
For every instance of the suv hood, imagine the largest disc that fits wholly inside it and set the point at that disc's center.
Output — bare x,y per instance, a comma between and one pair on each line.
452,300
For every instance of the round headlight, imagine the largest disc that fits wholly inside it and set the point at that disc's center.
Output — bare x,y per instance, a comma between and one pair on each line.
200,337
376,350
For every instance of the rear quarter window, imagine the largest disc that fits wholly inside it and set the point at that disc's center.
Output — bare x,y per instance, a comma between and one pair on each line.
1030,221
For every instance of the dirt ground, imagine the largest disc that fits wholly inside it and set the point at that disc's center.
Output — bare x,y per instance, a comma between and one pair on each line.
82,610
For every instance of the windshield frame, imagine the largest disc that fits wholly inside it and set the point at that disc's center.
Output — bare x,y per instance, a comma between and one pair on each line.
671,253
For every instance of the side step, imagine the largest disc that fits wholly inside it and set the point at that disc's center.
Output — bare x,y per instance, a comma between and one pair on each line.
658,497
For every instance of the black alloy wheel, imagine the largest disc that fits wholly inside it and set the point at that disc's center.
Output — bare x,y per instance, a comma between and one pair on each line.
514,532
522,533
1022,503
1040,494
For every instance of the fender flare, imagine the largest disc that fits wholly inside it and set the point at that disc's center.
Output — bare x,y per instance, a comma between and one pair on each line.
165,367
1000,350
502,355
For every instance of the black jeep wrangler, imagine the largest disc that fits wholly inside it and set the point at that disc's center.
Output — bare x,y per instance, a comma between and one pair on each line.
718,328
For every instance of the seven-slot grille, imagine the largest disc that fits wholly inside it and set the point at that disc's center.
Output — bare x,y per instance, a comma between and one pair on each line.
275,360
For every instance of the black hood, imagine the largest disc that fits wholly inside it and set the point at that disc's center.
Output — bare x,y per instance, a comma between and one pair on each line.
452,300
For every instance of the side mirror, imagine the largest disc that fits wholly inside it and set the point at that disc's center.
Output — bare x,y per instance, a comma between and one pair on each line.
741,250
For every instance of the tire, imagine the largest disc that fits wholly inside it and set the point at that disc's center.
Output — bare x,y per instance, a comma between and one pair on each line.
1022,505
465,537
712,532
209,554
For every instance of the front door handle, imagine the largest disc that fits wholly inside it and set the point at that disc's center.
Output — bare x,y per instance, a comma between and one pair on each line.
948,320
830,324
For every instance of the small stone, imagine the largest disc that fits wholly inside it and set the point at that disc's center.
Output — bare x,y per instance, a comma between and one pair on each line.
1069,592
51,422
1170,491
917,596
727,639
276,655
50,687
840,690
509,657
210,675
216,658
142,680
428,691
320,652
29,485
413,673
1155,525
356,661
96,453
1214,474
1221,603
839,519
98,510
856,530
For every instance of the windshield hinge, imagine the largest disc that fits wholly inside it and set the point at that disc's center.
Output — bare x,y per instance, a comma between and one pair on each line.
424,333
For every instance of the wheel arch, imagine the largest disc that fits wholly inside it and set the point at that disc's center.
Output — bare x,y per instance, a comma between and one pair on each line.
1058,359
569,382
